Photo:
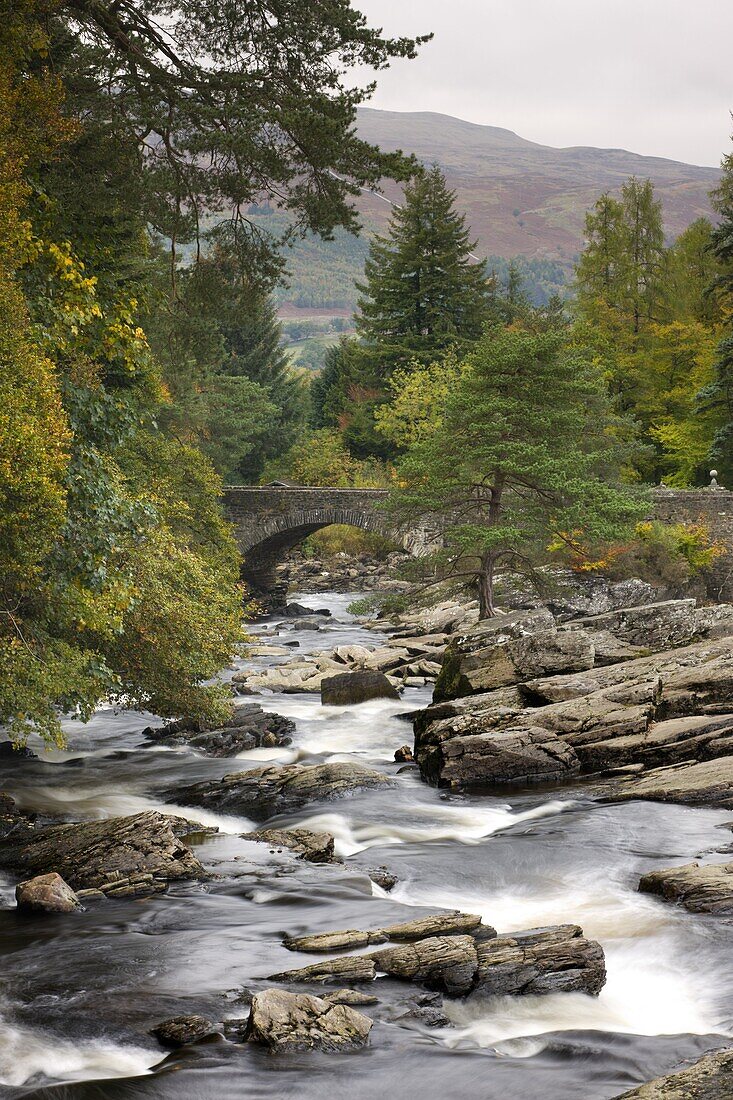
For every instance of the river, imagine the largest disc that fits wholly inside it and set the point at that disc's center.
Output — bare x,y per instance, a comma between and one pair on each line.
78,993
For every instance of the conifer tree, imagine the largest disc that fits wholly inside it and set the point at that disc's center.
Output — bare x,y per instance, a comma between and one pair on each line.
523,452
424,291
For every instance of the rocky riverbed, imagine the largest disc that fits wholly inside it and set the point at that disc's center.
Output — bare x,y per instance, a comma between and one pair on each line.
539,902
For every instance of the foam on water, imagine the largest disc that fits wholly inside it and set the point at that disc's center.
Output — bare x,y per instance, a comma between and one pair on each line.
466,824
98,803
655,986
28,1053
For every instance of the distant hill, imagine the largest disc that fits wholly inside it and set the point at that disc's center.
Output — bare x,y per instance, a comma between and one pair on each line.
521,199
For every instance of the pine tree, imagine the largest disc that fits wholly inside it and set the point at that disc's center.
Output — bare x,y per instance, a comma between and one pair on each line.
522,453
424,291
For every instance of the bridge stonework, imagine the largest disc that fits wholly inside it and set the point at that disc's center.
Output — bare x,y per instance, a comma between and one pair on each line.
270,520
713,508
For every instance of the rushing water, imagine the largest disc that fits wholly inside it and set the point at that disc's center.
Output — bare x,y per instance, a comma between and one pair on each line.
79,993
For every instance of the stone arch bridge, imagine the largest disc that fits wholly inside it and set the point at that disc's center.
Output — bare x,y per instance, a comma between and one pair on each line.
270,520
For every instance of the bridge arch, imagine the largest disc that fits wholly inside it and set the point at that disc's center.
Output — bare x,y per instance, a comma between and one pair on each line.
270,520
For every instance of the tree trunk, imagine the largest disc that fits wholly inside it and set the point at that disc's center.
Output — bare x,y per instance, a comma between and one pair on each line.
486,609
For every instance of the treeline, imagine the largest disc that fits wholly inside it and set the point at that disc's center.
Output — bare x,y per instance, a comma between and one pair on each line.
140,358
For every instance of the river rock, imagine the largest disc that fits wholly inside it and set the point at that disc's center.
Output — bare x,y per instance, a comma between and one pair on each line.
249,727
298,1021
441,924
710,1078
344,968
179,1031
274,789
349,688
706,783
541,960
707,889
308,845
46,894
383,877
121,856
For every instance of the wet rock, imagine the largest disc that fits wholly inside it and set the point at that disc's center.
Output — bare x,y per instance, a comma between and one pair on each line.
447,964
179,1031
404,755
707,783
122,856
10,750
349,688
710,1078
382,877
350,997
46,894
298,610
274,789
494,757
427,1009
345,968
541,960
707,889
298,1021
249,727
308,845
440,924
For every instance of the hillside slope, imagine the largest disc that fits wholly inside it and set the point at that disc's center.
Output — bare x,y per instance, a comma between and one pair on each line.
521,198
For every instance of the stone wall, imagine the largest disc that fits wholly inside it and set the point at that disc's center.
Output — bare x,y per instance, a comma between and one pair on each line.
714,508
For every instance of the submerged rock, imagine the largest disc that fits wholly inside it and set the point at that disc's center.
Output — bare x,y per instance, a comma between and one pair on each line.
298,1021
313,847
179,1031
710,1078
249,727
707,889
274,789
349,688
122,856
46,894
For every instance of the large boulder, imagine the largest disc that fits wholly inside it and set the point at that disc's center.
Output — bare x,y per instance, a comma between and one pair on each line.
707,889
249,727
349,688
298,1021
275,789
710,1078
122,856
541,960
46,894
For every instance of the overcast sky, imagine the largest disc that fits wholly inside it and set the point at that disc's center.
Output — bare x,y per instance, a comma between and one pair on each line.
652,76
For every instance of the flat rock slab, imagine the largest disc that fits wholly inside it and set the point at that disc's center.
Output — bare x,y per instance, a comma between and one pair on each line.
308,845
274,789
710,1078
122,856
707,889
442,924
297,1021
707,783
